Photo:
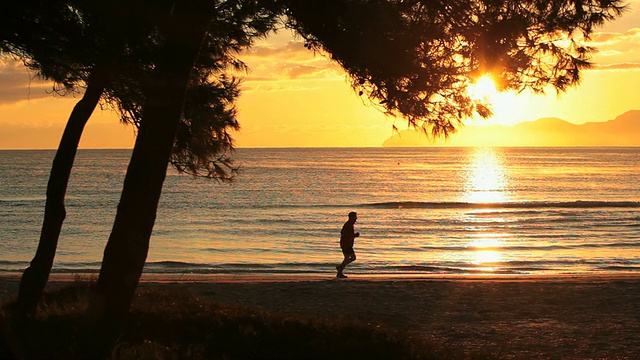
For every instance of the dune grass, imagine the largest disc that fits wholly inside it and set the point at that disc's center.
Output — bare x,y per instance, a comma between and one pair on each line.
170,324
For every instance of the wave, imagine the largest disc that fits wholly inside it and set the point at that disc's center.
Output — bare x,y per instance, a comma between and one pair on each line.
18,201
12,266
578,204
620,268
532,205
514,267
630,244
177,267
422,269
174,264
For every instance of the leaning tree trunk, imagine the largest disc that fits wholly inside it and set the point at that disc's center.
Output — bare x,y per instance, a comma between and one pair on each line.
35,277
126,251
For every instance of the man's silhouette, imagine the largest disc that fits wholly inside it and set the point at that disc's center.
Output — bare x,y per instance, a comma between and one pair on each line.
347,236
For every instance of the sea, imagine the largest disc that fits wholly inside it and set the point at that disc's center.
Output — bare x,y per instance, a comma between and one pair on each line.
433,211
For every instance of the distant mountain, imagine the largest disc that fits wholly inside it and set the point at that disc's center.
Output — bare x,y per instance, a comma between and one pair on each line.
624,130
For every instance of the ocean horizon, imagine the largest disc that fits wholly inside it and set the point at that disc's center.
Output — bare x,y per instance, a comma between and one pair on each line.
421,211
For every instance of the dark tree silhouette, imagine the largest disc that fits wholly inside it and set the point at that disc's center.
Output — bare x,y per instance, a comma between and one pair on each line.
183,26
74,44
35,277
416,58
50,38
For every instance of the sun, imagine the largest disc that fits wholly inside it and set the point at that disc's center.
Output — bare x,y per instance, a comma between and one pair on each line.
484,89
503,104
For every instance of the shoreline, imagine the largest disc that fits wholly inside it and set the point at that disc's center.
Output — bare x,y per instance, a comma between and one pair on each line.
312,277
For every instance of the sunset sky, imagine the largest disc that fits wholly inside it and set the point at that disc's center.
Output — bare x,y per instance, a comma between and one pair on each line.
292,98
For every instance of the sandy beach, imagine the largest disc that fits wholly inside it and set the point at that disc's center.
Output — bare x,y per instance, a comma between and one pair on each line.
568,317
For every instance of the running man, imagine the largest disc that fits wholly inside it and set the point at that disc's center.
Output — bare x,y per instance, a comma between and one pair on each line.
347,236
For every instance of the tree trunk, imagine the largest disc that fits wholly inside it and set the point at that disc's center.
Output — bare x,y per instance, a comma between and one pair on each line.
35,277
128,245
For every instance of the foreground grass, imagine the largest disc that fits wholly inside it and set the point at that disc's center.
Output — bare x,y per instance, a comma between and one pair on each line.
181,325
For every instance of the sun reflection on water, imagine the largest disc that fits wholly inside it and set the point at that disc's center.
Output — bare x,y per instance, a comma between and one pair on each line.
486,181
486,178
487,252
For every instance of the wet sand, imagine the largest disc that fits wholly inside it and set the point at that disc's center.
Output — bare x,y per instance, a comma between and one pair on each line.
553,317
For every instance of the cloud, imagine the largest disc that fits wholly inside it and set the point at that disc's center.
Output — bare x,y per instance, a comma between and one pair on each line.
110,135
287,61
619,66
617,50
294,72
293,78
612,38
610,53
291,50
275,86
17,83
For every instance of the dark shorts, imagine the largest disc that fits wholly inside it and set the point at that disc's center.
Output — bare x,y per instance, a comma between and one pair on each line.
348,251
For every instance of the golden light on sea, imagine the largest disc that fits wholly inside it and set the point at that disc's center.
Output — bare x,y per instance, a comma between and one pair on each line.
487,252
486,178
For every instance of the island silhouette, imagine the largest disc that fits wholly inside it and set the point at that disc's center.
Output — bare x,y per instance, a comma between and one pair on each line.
624,130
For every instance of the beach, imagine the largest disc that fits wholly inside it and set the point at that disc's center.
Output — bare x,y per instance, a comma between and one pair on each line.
542,317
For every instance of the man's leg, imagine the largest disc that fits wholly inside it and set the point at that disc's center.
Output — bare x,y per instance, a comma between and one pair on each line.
348,259
344,263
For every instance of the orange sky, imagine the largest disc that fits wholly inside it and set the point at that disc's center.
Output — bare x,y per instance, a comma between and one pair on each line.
292,98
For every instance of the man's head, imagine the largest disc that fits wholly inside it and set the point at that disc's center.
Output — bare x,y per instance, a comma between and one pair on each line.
353,216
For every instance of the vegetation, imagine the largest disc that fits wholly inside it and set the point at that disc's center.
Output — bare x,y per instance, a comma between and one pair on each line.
415,59
181,325
113,64
50,39
183,28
